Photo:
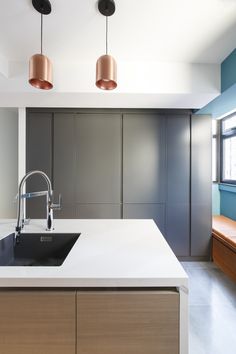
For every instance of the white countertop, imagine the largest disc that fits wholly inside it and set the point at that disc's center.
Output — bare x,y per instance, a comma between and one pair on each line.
108,253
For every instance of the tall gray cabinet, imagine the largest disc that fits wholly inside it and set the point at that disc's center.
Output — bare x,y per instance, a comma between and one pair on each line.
39,156
86,164
157,173
201,214
144,167
178,151
126,164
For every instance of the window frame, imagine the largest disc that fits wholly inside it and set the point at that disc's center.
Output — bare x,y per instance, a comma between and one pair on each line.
216,137
223,136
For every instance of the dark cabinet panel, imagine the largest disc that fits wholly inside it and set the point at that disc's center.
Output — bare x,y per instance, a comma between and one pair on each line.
68,211
98,211
144,159
201,211
38,157
178,228
178,183
146,211
98,158
64,162
144,165
87,164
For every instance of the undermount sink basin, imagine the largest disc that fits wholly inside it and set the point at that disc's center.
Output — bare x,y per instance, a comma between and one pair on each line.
36,249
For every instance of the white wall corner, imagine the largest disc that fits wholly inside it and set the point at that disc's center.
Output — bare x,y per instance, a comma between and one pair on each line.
4,66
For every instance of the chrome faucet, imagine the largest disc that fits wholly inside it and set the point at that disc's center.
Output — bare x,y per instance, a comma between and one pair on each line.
49,199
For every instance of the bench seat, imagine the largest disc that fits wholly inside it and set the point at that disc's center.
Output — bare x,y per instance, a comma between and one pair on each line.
224,244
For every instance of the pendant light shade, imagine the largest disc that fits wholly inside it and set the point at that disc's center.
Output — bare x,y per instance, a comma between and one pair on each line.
106,68
40,72
40,66
106,73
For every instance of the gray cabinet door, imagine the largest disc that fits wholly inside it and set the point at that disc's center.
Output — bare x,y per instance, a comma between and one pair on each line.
178,183
98,158
87,164
157,174
83,153
98,211
38,157
64,162
201,211
144,160
146,211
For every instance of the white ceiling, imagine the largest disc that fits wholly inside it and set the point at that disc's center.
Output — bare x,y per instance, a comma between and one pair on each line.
141,32
162,30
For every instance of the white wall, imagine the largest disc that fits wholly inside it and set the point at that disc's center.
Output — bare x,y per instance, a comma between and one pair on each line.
140,85
8,161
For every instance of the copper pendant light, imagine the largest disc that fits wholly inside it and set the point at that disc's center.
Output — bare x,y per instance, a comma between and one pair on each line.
106,69
40,66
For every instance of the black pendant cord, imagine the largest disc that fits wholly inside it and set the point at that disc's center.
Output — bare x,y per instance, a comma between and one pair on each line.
106,35
41,34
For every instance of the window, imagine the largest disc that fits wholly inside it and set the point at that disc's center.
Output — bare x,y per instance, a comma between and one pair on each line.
228,149
214,150
229,123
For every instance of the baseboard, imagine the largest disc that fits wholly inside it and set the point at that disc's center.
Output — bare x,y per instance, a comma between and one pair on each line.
194,259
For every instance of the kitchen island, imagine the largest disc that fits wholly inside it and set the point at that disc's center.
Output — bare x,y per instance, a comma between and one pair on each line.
113,263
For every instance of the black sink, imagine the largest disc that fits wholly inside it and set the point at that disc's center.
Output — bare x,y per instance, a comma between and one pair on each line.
36,249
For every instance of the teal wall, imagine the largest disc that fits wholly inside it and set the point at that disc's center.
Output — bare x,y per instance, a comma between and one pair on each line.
228,87
222,104
226,102
228,201
224,196
228,72
215,199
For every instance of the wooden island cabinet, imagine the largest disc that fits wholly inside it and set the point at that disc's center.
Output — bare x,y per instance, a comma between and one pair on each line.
91,321
37,322
128,322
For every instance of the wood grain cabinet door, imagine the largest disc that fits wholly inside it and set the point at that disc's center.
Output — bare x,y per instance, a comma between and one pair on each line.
128,322
37,322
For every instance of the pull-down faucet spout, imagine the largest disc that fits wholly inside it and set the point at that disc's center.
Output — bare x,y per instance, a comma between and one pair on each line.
49,196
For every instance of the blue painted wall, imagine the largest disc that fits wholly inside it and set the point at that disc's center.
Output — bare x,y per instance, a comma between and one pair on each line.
222,104
215,199
228,87
224,196
228,201
226,102
228,72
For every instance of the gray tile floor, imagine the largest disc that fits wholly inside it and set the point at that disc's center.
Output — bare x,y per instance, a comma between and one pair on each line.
212,307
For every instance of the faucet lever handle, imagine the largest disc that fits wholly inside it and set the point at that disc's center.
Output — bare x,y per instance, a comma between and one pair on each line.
57,206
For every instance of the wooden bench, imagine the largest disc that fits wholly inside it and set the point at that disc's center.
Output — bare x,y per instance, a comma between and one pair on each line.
224,244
